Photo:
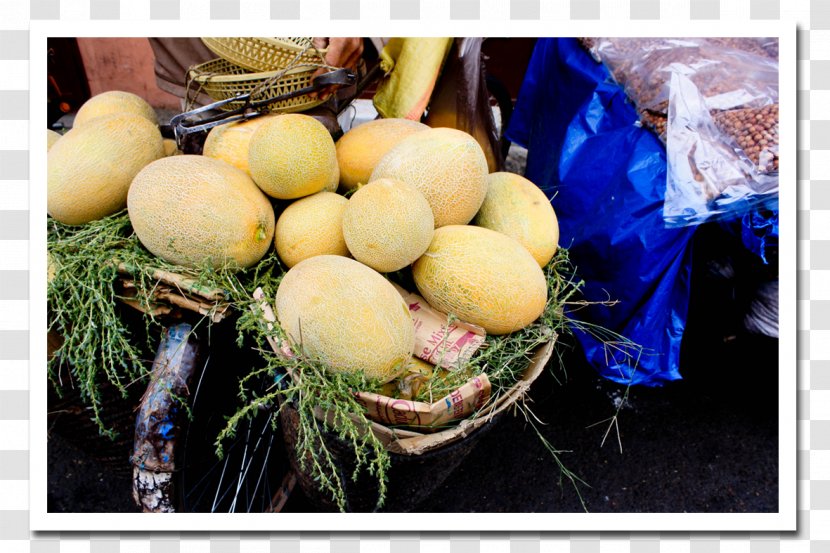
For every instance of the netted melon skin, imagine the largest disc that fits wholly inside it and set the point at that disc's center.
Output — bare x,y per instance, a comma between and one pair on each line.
194,210
51,138
518,208
114,101
448,167
387,225
361,148
230,142
311,226
346,315
293,155
89,170
483,277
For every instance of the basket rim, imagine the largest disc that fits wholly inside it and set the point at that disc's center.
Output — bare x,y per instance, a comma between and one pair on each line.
242,77
279,42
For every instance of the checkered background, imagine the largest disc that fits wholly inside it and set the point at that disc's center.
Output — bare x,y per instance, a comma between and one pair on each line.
813,17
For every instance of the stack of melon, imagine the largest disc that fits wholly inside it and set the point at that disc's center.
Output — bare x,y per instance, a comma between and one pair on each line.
419,200
411,198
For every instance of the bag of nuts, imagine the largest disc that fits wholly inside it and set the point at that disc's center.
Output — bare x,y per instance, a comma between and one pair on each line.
720,163
727,71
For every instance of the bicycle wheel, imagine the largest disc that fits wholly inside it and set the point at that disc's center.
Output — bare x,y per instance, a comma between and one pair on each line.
191,394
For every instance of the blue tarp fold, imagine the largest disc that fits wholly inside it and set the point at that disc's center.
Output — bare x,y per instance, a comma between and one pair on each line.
606,176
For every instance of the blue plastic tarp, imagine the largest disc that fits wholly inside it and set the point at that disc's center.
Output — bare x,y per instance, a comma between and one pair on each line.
606,176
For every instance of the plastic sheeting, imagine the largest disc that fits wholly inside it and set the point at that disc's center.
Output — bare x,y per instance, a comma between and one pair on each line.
606,176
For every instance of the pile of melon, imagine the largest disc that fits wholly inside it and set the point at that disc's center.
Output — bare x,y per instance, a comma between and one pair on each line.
390,196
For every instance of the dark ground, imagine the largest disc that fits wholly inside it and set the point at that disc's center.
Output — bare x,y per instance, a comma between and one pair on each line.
707,443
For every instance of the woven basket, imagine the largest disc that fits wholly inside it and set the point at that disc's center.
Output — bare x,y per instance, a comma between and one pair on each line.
222,80
420,463
265,54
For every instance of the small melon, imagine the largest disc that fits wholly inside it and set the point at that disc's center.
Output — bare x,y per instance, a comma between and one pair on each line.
51,138
387,224
448,167
311,226
293,155
483,277
230,142
90,169
518,208
114,101
360,149
347,315
194,210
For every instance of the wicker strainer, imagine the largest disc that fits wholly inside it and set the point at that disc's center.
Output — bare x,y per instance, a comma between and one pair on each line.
223,80
265,54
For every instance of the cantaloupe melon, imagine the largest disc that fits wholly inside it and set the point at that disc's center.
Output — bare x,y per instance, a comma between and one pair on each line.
51,138
293,155
360,149
114,101
195,211
171,148
230,142
311,226
387,224
346,315
90,169
483,277
447,166
518,208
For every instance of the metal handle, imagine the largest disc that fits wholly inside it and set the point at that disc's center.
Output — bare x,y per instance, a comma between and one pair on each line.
189,122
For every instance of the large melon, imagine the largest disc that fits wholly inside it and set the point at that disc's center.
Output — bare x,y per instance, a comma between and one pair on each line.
114,101
360,149
347,315
518,208
483,277
230,142
387,224
194,210
447,166
311,226
51,138
90,169
293,155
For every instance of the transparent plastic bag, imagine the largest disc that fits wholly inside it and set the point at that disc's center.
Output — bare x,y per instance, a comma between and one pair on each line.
729,72
714,170
714,103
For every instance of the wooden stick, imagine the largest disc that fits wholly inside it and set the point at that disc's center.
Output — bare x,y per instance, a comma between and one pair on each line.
179,281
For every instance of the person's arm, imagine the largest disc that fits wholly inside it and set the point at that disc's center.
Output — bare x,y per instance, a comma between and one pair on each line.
342,52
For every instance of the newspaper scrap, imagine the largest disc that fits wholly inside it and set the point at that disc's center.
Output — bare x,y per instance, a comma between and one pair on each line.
460,403
447,347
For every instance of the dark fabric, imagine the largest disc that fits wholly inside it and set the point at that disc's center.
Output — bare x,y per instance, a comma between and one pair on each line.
174,56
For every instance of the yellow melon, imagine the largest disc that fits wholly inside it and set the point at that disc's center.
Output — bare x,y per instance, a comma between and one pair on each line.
360,149
311,226
114,101
194,210
293,155
483,277
89,170
387,224
346,315
51,138
518,208
230,142
171,148
447,166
